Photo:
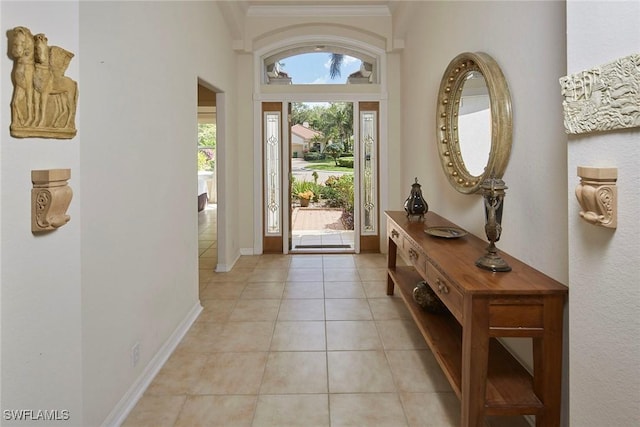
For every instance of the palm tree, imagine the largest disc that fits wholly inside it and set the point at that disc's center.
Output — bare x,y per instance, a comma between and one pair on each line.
336,63
338,123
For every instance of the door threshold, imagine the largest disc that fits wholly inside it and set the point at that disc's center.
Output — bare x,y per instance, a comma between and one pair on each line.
322,247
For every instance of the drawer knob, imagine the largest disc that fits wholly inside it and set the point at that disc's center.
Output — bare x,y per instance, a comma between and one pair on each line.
413,254
394,233
442,287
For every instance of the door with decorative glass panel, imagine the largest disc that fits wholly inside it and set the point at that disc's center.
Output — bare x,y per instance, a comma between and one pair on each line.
343,210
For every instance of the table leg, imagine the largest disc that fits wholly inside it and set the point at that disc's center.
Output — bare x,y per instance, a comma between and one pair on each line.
391,263
475,359
547,362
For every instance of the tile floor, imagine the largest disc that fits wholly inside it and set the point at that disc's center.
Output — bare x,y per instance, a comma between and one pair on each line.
299,340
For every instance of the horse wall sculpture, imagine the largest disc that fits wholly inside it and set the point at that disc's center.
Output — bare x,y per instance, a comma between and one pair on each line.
42,79
44,100
22,53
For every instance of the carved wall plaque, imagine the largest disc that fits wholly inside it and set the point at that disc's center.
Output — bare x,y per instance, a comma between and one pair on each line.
597,194
50,199
44,99
603,98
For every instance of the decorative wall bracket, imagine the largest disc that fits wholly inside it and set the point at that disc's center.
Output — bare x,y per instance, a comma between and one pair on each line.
50,198
597,194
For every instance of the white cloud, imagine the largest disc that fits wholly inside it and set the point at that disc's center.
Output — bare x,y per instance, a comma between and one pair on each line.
349,59
346,61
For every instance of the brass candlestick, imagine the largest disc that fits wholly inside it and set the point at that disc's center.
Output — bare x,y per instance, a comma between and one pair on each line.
493,193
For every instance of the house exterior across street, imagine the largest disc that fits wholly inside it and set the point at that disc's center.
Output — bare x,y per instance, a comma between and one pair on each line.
301,139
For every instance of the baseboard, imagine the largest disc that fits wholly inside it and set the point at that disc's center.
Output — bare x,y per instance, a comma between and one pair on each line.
225,268
247,251
121,411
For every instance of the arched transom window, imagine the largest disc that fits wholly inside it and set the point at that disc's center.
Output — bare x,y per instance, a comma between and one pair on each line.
320,64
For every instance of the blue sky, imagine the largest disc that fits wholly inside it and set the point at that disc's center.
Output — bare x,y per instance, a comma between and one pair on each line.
313,68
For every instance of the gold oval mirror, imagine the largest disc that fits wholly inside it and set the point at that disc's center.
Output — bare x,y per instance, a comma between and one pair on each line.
474,121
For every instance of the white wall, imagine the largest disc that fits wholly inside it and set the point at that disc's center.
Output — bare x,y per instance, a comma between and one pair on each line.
527,40
141,62
604,268
243,178
40,282
532,57
283,22
124,270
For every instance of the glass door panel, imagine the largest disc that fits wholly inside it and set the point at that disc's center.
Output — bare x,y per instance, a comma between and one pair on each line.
272,158
368,172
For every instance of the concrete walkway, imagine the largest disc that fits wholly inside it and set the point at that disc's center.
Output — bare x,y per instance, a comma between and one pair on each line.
316,219
320,230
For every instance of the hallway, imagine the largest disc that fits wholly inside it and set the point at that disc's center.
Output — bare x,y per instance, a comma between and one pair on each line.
299,340
307,340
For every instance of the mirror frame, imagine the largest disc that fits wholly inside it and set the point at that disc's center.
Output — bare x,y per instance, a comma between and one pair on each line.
447,120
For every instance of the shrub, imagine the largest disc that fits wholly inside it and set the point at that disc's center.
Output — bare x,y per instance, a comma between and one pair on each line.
329,182
298,187
313,155
345,163
339,192
334,150
204,162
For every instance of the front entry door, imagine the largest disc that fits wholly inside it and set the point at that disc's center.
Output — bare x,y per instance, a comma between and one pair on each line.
277,192
322,190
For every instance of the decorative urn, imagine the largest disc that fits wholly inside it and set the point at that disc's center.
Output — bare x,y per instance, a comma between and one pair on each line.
415,205
427,299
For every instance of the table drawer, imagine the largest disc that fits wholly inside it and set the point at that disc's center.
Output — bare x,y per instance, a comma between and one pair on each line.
448,292
394,234
416,257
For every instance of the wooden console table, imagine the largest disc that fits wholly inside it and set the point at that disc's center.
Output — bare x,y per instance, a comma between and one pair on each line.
483,306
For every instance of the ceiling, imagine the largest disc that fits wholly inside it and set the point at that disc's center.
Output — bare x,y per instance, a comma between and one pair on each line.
392,5
317,2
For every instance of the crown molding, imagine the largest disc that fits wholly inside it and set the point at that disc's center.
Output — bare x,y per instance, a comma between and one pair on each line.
318,10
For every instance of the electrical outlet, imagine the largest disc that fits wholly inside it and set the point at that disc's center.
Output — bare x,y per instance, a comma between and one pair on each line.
135,354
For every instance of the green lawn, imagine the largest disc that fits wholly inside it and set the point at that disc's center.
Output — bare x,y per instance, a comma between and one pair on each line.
328,165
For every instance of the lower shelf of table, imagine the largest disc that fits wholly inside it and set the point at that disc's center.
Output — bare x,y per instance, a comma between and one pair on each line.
509,389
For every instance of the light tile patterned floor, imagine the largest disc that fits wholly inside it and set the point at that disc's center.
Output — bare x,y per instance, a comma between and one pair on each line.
298,340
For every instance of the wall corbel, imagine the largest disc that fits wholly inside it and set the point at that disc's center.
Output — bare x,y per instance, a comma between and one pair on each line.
597,194
50,198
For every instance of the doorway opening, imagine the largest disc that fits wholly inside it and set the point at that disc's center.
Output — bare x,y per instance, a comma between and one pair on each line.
207,184
321,164
289,184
